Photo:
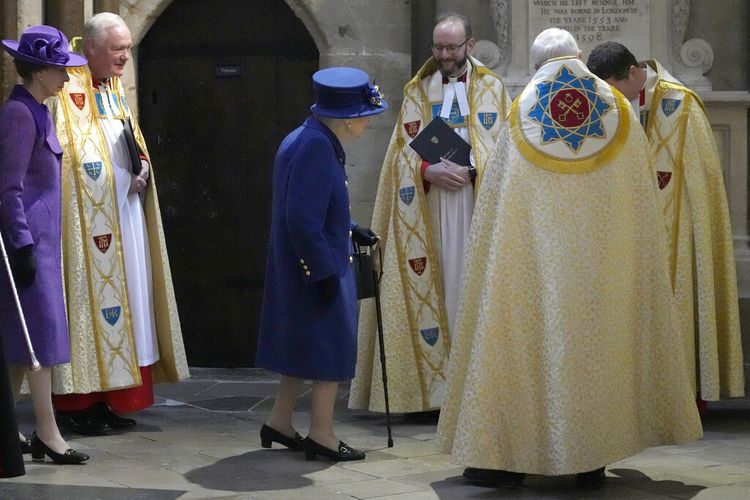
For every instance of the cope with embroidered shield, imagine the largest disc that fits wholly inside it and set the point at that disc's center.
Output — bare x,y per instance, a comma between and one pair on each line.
569,109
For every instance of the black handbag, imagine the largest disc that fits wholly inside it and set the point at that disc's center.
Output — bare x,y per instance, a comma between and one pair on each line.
364,273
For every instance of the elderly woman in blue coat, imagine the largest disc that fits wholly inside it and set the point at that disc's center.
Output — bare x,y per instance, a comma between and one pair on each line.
309,321
30,220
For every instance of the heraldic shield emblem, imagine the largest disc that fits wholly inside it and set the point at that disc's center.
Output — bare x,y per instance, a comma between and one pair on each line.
93,169
430,335
669,106
102,242
111,314
663,178
487,119
79,99
412,128
406,194
569,109
418,265
566,118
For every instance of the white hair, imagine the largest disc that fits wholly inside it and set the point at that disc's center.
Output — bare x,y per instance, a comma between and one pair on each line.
551,43
97,26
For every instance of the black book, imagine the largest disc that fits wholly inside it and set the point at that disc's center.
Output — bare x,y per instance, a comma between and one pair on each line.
133,149
438,140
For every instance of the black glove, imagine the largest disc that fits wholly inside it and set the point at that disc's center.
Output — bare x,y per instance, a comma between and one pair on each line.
364,236
328,288
23,265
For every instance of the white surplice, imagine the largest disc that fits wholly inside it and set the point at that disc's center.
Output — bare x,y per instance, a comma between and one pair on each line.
453,210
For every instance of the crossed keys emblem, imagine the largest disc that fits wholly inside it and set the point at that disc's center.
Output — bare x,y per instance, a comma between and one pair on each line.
566,107
569,107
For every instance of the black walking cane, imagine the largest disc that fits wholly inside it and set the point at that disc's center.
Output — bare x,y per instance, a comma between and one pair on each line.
368,285
376,276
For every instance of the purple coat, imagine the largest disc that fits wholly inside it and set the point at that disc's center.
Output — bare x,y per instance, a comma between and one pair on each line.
30,198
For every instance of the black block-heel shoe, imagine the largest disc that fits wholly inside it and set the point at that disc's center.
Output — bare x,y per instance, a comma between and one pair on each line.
269,435
345,452
39,449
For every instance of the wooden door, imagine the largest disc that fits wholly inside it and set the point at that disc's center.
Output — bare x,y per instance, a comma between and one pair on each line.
221,82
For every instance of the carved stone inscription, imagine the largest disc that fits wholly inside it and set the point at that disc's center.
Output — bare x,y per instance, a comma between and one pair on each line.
594,21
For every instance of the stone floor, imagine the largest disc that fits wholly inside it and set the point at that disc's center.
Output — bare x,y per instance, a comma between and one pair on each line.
201,441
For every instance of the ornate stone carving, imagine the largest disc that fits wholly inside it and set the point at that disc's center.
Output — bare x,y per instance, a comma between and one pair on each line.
487,52
499,11
697,53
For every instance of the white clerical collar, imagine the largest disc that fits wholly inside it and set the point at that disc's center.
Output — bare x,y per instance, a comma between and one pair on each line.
455,88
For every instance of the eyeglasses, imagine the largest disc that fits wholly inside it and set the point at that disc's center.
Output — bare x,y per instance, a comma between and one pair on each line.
437,48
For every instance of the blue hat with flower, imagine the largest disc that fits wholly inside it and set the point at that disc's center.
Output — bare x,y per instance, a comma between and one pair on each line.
44,46
345,93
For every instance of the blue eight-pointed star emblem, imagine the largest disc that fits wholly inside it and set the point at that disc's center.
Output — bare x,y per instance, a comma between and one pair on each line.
569,109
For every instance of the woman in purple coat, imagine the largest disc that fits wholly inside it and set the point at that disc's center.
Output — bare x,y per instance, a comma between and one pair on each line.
30,219
309,321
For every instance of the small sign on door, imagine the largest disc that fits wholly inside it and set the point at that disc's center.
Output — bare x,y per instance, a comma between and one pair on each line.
229,70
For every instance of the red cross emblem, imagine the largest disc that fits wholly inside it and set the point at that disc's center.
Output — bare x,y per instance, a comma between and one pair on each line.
663,178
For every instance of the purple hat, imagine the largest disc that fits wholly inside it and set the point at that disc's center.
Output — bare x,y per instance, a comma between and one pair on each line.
44,46
345,93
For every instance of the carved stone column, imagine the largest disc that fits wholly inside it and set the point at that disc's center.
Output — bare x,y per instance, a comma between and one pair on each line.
66,15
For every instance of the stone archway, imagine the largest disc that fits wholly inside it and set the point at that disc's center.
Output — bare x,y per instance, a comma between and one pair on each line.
140,15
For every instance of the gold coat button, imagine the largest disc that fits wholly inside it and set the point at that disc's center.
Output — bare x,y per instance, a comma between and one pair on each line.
350,234
351,259
302,261
307,273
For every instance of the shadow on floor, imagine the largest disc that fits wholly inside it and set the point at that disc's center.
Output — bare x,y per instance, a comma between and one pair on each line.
10,491
281,470
627,483
638,480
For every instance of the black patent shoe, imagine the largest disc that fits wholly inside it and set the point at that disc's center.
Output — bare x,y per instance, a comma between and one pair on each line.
494,477
268,435
591,479
88,422
345,452
112,419
70,457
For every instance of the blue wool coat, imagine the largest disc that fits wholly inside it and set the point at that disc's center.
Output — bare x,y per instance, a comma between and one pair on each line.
301,335
30,198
